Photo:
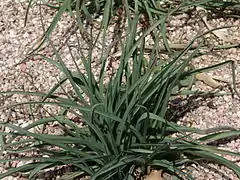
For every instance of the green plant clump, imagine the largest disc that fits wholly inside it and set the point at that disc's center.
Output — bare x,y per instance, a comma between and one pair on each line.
125,124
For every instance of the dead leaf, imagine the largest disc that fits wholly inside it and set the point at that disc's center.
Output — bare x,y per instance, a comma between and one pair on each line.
207,79
220,33
155,175
221,79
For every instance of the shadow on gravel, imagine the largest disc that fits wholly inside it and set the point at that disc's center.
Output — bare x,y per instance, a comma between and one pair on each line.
179,107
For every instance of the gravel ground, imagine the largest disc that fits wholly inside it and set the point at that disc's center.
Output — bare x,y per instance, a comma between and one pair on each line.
37,75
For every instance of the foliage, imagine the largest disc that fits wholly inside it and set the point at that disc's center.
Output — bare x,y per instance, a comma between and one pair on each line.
125,123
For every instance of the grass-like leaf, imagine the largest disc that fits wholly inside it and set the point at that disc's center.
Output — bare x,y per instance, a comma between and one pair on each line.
124,121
